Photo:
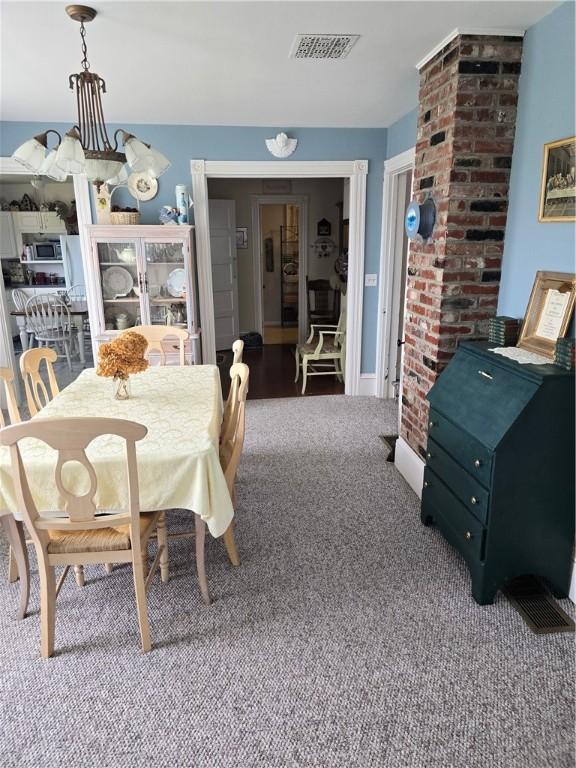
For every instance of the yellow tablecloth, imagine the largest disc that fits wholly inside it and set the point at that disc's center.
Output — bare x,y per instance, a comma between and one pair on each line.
178,465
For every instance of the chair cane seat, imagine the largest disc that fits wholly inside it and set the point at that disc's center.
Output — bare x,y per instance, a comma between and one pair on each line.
327,348
98,539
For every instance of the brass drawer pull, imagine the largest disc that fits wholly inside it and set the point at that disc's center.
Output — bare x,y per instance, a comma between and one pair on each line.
468,535
477,463
431,424
425,483
474,500
428,455
486,375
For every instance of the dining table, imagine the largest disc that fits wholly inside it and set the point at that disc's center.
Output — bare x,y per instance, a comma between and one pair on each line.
178,460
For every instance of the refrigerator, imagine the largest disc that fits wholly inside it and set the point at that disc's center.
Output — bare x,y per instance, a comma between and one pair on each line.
72,260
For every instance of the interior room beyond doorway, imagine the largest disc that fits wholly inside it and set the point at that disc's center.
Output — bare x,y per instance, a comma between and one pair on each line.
287,271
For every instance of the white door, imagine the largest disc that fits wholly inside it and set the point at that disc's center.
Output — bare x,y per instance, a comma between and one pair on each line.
222,214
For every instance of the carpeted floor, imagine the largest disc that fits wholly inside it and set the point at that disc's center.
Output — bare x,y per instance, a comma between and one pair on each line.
347,639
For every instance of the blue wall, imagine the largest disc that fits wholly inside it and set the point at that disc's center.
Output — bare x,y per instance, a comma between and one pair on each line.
181,143
545,113
401,135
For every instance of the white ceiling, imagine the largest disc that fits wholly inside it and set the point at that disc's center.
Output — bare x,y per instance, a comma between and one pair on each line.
226,63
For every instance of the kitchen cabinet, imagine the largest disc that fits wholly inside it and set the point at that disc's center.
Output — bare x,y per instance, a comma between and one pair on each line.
142,275
39,222
8,247
499,477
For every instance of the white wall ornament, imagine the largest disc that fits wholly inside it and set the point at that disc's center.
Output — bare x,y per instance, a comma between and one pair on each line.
281,146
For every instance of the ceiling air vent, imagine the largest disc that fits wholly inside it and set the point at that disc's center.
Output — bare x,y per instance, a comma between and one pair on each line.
322,46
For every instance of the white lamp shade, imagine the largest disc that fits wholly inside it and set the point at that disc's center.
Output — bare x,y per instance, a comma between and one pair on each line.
102,170
31,155
50,168
120,178
143,159
70,156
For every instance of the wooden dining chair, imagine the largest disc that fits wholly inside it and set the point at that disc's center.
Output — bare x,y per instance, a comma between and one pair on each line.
37,395
81,535
18,568
156,334
49,317
237,349
231,446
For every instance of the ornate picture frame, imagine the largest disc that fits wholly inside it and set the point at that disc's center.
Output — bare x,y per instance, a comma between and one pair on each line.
558,185
549,312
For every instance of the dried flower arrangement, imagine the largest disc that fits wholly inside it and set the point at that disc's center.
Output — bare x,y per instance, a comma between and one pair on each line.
123,356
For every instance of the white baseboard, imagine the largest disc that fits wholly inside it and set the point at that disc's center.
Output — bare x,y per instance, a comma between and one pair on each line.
410,466
367,385
572,592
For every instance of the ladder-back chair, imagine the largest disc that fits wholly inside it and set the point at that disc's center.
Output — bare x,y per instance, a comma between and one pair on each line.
49,318
232,442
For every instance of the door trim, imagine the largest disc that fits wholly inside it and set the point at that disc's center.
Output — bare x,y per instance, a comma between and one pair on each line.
356,170
302,202
393,167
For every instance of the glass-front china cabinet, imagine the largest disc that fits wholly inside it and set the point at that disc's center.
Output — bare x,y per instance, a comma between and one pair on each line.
142,275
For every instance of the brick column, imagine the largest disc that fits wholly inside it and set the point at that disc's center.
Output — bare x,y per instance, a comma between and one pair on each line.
466,123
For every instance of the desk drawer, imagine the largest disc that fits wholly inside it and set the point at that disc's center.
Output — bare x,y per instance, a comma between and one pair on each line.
445,509
468,452
473,495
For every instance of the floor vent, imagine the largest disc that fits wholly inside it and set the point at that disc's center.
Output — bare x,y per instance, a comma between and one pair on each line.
537,607
322,46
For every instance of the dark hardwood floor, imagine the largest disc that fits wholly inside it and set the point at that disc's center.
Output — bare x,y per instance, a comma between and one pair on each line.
272,371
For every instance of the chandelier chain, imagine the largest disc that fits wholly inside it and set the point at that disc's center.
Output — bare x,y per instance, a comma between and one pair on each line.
85,62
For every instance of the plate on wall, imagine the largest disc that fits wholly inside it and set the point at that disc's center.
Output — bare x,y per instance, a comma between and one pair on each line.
116,281
142,186
176,282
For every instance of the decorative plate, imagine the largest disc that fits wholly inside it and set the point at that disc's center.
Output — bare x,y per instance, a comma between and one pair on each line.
176,282
116,281
142,186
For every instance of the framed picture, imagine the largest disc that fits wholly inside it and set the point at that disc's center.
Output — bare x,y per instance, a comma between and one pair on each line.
241,237
324,228
549,312
558,187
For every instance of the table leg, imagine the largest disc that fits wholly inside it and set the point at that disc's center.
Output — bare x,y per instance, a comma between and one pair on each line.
81,349
14,531
200,526
24,338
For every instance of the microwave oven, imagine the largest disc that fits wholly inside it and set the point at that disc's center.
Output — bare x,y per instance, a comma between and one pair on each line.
46,250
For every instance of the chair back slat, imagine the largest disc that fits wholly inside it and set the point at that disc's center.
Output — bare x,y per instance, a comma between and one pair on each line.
7,377
48,317
233,437
37,395
156,334
70,437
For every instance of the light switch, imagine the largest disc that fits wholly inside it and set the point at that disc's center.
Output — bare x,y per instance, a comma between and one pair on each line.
370,281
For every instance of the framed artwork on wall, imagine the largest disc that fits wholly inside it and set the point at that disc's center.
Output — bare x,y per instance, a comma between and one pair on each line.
241,237
558,185
549,312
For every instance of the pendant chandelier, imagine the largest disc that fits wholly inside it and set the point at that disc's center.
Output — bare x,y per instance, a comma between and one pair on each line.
86,148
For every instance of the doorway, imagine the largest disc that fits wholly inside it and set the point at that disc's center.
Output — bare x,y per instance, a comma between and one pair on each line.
354,170
279,241
269,250
398,174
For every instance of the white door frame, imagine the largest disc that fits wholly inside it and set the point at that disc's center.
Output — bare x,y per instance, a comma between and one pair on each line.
302,202
356,170
393,167
84,214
